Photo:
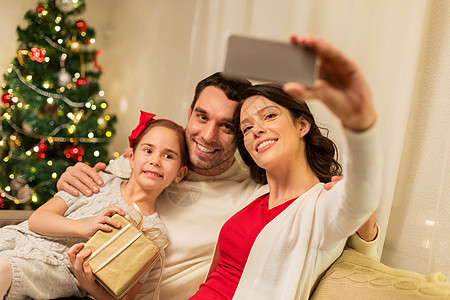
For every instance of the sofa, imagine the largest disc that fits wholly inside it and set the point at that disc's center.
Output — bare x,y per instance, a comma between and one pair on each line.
352,276
355,276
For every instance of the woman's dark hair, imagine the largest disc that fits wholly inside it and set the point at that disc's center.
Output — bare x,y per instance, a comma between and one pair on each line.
171,125
320,150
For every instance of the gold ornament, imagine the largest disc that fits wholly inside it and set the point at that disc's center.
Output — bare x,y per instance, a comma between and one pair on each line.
77,116
102,123
75,47
21,55
13,143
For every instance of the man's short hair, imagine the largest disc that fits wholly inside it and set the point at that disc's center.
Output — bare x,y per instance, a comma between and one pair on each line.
233,88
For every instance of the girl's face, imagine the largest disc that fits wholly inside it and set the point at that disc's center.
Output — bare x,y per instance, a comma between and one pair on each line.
156,160
270,135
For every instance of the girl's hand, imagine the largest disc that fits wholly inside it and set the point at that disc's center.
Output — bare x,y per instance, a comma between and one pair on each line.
83,272
81,269
340,86
101,222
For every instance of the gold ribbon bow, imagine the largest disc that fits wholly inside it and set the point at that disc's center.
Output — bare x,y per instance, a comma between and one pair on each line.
135,216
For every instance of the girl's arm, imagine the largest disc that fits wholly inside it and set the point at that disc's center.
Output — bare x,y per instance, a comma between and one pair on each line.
49,220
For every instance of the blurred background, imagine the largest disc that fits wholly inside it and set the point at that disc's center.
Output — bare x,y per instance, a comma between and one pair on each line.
153,52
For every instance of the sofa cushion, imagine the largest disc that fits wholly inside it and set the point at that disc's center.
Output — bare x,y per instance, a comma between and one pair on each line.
355,276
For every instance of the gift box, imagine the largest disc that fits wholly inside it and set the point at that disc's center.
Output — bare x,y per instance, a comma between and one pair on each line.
122,256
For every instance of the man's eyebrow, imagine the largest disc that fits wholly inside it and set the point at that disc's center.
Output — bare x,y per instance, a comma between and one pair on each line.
202,111
228,120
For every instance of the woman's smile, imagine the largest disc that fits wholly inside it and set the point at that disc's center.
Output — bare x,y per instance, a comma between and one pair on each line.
265,144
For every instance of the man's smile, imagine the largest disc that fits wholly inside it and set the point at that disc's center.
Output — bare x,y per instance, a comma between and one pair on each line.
205,149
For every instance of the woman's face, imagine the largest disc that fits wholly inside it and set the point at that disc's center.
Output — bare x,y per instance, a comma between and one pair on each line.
270,135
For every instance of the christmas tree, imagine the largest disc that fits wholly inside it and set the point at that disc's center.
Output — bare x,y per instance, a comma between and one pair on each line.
52,114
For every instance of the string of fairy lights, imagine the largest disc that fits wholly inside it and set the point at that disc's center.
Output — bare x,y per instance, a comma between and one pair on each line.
80,109
51,137
55,45
44,93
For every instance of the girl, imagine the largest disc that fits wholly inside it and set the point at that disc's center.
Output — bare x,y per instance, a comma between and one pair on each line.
33,260
280,244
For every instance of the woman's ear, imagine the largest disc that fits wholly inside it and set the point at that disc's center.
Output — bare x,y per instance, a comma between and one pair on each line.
304,126
181,173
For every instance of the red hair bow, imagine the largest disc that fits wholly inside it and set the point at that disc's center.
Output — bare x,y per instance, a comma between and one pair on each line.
144,120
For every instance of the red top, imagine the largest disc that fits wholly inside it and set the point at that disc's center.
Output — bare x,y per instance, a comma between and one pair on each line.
236,239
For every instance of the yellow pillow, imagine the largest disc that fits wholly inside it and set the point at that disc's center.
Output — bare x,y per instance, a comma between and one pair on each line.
354,276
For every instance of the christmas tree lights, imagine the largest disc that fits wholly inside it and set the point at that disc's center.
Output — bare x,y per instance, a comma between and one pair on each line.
52,112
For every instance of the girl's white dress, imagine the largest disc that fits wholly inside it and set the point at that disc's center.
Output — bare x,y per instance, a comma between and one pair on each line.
39,263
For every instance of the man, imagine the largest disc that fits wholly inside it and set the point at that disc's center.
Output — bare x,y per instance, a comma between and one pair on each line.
217,185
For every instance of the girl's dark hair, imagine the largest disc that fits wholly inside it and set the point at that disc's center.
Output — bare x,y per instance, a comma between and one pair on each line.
171,125
320,150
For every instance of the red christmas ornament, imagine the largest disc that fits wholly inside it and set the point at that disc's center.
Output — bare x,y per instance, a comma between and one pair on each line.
39,8
2,204
42,148
7,98
82,81
81,25
37,54
74,152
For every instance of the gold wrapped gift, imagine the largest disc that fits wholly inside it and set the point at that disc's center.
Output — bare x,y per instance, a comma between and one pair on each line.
122,256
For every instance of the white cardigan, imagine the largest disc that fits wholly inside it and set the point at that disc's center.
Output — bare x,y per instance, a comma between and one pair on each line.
293,250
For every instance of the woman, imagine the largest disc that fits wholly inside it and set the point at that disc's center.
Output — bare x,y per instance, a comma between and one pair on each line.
279,245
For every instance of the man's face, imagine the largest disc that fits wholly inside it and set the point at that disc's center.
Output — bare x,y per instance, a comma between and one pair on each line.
209,133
